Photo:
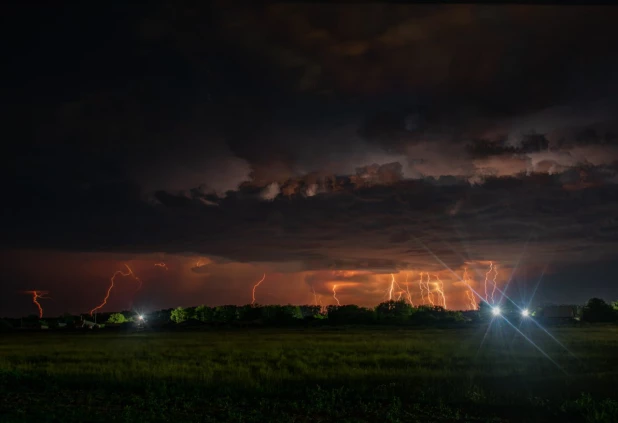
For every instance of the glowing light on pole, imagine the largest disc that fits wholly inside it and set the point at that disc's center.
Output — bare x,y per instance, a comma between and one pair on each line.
255,286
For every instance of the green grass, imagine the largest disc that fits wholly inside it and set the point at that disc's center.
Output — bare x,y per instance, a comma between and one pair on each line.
317,375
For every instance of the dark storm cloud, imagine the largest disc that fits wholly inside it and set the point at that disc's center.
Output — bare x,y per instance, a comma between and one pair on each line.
293,132
418,84
380,228
216,95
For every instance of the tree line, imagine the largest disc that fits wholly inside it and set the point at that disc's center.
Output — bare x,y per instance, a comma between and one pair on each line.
386,313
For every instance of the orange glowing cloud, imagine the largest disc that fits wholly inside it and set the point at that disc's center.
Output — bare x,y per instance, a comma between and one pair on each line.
233,283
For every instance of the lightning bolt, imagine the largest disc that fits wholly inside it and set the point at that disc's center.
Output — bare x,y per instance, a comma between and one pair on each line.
424,286
390,290
408,291
317,299
429,291
335,294
491,266
469,292
440,288
111,286
401,290
494,282
161,264
470,296
420,284
255,286
36,295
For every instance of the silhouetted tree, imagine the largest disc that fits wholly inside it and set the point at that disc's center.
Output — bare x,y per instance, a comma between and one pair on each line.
277,314
203,313
225,314
116,318
485,310
178,315
310,310
249,313
393,311
350,314
597,310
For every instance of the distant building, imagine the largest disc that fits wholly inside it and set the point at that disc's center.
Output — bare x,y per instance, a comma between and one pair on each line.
559,313
88,324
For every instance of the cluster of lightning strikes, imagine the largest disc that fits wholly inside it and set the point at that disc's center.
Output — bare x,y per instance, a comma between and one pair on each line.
492,268
317,299
161,264
430,290
255,286
425,288
129,272
401,292
335,294
38,295
420,285
469,292
439,287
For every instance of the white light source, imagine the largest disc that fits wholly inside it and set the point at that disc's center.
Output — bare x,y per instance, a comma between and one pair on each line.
496,311
140,317
525,312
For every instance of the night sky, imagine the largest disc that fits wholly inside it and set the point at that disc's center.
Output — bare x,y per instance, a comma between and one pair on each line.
320,144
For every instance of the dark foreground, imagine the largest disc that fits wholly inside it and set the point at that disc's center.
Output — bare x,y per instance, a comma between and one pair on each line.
325,375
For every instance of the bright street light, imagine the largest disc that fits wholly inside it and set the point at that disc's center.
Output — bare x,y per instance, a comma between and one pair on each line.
496,311
525,312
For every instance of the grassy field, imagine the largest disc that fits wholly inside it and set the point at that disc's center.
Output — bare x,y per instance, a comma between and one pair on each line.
317,375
